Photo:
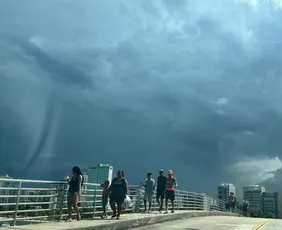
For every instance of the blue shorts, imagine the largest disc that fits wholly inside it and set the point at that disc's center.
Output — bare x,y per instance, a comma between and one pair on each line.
105,202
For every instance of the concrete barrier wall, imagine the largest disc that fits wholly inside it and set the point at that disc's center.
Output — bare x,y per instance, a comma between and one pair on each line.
133,223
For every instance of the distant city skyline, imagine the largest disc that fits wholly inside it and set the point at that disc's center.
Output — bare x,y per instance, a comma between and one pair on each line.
262,203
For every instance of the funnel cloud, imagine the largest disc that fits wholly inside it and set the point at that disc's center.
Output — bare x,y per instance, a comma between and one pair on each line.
192,86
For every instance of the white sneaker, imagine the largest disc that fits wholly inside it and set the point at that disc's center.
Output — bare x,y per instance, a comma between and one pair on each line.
166,212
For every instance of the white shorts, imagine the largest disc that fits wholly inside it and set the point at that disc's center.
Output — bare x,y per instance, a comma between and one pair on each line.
148,196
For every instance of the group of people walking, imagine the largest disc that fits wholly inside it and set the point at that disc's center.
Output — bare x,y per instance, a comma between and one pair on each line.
116,192
230,205
165,190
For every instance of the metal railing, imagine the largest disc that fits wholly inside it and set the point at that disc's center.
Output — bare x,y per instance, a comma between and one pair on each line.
33,201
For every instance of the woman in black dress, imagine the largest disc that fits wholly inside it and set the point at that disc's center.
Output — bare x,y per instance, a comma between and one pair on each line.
74,193
118,190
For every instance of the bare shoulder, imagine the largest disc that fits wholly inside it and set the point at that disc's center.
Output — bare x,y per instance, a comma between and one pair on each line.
125,181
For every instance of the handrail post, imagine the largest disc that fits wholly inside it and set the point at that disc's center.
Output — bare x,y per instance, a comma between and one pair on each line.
153,202
136,200
17,203
187,201
94,201
61,196
53,205
139,199
177,200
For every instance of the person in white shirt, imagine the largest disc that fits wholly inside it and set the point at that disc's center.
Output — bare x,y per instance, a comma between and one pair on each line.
149,191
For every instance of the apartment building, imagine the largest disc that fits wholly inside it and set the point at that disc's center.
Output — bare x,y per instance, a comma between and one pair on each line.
253,194
272,204
223,191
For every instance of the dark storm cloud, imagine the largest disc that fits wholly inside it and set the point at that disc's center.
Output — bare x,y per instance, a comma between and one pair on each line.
188,85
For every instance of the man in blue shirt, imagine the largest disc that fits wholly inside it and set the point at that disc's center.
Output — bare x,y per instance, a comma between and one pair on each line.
245,207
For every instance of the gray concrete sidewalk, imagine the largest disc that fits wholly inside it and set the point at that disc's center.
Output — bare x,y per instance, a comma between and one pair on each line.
127,221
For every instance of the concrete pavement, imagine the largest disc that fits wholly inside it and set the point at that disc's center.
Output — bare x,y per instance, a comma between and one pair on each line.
217,223
273,225
127,221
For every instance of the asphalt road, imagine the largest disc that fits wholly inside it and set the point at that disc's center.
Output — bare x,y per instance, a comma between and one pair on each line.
218,223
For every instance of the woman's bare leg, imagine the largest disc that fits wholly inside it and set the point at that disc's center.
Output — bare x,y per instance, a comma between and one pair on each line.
75,200
69,200
113,206
118,210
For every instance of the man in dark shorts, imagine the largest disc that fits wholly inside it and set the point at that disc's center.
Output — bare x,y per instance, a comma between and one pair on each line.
169,191
161,184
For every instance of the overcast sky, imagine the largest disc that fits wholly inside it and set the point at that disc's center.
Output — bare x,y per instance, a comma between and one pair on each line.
192,86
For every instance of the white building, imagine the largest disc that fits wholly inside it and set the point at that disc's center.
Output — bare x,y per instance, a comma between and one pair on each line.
4,183
85,178
206,202
253,194
100,173
5,189
97,175
224,190
85,181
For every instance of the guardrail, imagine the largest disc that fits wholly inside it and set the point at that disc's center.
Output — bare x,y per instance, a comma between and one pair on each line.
29,201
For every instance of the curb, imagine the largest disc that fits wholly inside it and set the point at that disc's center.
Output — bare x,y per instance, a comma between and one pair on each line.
159,218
